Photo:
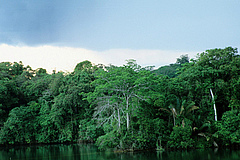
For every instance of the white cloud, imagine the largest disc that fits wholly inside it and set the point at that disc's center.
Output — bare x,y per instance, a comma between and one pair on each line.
66,58
155,58
48,57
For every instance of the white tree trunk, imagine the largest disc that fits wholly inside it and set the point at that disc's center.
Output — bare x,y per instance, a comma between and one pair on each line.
174,120
119,120
127,113
127,121
214,105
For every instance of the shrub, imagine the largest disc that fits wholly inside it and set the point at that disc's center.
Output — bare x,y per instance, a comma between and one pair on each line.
180,137
228,128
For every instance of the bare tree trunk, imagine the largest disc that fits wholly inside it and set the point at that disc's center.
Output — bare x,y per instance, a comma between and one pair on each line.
174,120
119,120
214,105
127,113
127,121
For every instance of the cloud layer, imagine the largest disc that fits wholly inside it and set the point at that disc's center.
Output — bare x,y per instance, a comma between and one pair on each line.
66,58
102,25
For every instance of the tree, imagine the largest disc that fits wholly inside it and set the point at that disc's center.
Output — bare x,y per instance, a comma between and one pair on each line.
69,106
85,65
228,128
214,70
181,111
119,89
41,71
12,78
172,69
168,70
183,59
21,125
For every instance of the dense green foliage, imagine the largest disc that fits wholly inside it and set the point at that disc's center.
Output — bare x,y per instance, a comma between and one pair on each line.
126,107
172,69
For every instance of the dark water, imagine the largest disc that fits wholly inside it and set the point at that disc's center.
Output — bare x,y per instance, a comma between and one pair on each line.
90,152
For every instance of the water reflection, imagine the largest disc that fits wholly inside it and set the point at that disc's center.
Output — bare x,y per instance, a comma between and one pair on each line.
90,152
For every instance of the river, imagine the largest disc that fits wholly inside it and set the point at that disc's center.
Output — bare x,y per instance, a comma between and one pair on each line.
90,152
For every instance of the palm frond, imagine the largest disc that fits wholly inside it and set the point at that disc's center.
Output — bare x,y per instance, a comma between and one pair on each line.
164,109
191,109
182,109
207,124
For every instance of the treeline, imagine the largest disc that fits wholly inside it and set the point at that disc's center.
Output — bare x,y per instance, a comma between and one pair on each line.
190,104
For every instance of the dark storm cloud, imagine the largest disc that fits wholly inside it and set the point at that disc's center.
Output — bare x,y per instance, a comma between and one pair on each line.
106,24
29,22
39,22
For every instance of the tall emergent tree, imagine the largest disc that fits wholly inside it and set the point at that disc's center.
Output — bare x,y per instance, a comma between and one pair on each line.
118,91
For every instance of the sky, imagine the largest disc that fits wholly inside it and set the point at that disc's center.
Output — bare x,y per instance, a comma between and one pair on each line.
58,34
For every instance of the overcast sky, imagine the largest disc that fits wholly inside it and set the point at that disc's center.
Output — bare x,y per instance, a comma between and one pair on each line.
58,34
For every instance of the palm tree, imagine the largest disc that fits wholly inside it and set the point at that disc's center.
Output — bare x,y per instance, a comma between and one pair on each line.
185,110
205,131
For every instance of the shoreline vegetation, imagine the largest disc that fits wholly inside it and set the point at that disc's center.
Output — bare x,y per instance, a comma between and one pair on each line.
186,105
